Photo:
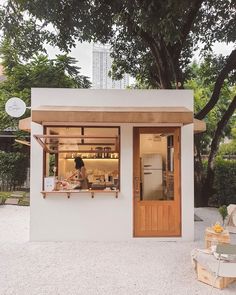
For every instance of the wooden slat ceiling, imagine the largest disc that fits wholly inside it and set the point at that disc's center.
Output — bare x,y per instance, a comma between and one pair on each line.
112,114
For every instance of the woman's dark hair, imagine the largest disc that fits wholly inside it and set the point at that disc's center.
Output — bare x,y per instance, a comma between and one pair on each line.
78,163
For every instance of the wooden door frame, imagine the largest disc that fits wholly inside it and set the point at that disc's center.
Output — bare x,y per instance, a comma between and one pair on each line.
137,130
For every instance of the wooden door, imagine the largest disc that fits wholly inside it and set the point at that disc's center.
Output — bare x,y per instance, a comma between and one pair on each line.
156,183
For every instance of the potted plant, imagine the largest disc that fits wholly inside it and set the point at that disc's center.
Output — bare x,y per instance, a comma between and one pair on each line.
223,212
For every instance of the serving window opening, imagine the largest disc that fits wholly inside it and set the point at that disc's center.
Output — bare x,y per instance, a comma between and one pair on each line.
98,147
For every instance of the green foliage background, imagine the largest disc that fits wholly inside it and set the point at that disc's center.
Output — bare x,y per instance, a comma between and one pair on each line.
225,182
201,78
38,71
13,169
21,76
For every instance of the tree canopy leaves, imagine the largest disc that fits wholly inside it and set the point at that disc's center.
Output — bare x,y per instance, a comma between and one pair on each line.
201,78
39,71
152,40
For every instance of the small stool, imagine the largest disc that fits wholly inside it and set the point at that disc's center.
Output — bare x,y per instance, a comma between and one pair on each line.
211,235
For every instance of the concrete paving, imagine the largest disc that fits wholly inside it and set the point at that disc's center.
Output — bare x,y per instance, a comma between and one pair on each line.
135,267
12,201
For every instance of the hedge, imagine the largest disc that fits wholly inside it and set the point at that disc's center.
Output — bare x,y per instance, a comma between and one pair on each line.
13,170
225,182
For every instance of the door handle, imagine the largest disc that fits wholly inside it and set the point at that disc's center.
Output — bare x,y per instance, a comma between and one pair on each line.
136,184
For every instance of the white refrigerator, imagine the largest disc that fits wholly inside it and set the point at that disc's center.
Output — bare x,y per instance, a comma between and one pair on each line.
152,188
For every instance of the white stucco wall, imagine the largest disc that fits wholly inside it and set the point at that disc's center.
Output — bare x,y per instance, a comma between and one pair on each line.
104,217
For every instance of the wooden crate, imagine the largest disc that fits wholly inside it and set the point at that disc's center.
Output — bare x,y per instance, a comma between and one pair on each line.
206,277
221,238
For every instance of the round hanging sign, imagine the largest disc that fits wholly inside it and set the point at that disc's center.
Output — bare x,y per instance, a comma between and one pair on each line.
15,107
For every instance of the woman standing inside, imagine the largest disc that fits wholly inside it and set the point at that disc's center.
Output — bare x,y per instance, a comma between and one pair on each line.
81,174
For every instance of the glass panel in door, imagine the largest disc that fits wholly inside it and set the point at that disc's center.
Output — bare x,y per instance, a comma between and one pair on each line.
157,166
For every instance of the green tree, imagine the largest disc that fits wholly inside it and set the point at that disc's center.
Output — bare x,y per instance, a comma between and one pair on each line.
152,40
229,149
39,71
21,76
149,38
202,79
13,169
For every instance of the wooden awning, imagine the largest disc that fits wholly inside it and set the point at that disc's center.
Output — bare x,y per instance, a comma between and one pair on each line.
65,114
48,114
199,126
24,124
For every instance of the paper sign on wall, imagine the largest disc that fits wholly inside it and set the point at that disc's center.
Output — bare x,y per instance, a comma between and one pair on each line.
49,183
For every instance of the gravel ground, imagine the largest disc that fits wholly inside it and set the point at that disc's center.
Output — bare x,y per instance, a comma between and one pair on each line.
136,267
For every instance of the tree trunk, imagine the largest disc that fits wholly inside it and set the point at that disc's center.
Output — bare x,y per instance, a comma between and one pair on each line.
208,190
198,172
161,59
228,67
162,64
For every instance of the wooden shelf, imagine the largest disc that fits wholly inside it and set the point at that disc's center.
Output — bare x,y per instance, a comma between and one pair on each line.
84,159
56,143
84,151
68,193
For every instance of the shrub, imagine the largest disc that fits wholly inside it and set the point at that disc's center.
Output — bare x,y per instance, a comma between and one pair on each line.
225,182
13,169
223,212
3,197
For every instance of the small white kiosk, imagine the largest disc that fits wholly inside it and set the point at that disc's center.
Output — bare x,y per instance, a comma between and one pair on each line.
137,146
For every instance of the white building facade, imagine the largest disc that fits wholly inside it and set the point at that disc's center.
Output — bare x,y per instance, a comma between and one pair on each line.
121,214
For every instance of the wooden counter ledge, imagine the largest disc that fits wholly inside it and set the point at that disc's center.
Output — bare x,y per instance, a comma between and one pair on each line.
68,193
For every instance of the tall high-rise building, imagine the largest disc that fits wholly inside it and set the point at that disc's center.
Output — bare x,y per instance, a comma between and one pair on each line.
102,62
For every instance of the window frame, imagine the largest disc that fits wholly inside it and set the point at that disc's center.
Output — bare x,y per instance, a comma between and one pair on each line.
39,138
